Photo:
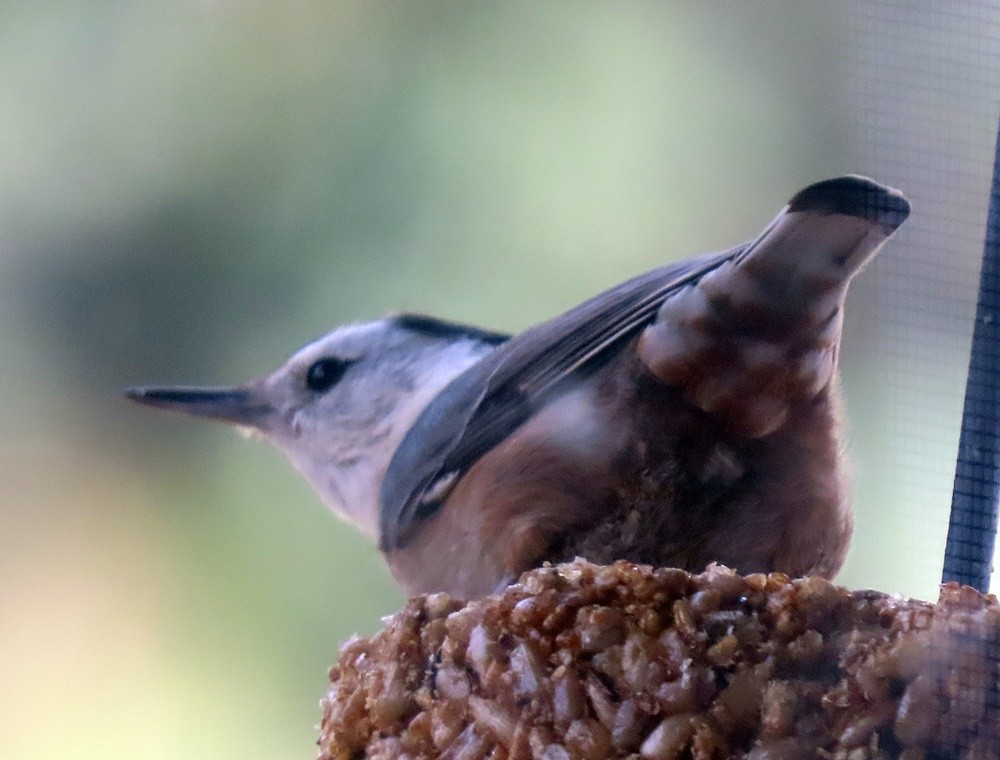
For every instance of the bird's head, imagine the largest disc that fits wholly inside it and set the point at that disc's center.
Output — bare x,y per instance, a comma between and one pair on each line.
339,407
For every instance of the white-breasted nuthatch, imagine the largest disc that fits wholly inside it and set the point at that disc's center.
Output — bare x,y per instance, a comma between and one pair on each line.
686,416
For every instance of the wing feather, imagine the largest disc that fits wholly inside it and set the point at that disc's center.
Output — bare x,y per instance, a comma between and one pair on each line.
487,402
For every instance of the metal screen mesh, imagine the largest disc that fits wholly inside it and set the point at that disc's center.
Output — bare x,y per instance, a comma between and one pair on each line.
926,86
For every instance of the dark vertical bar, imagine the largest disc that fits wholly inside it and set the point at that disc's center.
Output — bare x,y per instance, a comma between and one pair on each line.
972,529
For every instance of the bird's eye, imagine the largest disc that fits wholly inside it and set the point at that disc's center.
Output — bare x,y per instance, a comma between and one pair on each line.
323,374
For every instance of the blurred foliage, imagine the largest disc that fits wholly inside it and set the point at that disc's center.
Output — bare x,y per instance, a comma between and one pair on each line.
192,190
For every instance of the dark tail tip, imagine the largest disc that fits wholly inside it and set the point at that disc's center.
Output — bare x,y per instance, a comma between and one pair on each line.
856,196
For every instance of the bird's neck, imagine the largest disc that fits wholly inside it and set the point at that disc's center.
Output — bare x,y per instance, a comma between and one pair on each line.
360,482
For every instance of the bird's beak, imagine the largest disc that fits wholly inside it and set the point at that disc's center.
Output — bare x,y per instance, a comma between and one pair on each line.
245,405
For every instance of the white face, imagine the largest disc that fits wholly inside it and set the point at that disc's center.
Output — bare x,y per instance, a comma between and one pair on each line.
341,406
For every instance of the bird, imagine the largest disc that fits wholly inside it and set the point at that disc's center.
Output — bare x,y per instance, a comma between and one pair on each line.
689,415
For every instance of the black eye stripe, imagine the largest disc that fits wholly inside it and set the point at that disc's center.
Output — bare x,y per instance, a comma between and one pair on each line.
325,373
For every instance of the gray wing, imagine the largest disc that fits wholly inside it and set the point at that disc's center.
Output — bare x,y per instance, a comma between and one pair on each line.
487,402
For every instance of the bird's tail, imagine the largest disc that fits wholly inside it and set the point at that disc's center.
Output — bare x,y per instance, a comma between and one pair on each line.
806,257
760,333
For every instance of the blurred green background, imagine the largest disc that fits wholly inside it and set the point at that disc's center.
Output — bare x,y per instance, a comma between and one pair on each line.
192,190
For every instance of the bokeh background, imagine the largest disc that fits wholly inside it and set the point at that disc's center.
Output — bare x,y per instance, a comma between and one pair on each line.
191,190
